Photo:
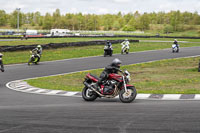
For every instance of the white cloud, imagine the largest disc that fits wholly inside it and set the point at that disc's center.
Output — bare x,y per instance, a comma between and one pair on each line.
74,10
99,10
122,1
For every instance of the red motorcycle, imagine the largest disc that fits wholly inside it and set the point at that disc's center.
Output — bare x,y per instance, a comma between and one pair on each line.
114,86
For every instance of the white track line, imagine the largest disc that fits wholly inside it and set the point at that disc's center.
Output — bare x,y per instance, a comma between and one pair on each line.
171,96
197,97
143,96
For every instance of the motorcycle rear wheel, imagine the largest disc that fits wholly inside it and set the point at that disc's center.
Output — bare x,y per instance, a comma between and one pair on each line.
88,95
129,96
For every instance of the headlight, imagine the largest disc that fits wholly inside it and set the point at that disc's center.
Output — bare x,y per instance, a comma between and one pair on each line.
128,76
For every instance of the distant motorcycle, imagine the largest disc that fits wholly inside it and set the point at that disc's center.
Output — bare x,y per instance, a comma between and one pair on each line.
34,58
175,49
108,50
114,86
125,49
1,63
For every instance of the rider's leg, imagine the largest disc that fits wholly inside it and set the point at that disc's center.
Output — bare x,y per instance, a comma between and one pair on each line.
102,78
2,67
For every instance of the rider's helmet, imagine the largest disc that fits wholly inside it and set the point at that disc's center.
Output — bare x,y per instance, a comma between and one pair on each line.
39,46
116,63
126,39
175,40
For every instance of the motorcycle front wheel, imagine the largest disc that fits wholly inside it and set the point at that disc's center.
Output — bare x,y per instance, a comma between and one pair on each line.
129,96
88,94
122,52
36,60
29,61
105,53
110,53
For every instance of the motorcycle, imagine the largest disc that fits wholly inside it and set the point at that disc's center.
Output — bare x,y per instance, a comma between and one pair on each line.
114,86
175,48
108,50
1,63
125,49
34,58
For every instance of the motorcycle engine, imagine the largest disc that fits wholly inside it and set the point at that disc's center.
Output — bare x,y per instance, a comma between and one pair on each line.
109,87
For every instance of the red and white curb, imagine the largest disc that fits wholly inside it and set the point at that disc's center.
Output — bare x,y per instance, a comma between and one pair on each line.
22,86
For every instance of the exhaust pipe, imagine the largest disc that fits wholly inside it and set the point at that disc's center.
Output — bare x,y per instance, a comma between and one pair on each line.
89,86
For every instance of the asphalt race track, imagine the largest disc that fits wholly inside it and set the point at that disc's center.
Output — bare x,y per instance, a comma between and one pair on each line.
32,113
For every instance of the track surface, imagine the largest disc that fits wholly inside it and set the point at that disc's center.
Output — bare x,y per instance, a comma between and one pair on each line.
30,113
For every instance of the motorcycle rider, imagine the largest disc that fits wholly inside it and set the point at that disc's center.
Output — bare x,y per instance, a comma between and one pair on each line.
125,44
38,52
114,67
176,43
109,44
1,62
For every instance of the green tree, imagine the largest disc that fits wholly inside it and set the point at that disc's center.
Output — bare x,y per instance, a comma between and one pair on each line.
144,22
116,25
196,19
175,19
131,25
168,29
13,19
3,18
47,21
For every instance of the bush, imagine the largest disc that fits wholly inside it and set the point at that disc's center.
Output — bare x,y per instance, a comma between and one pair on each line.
128,28
168,29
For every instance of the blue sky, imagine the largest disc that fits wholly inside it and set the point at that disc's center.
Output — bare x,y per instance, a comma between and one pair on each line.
100,6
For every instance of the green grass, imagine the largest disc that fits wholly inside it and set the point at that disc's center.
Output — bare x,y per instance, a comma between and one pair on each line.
85,51
173,76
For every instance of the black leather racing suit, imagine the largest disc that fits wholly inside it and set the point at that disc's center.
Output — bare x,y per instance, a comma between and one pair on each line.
104,75
176,43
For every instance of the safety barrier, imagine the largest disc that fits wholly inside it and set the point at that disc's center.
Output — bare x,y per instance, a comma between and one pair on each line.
58,45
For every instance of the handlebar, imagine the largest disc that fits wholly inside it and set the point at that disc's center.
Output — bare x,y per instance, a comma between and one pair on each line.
122,72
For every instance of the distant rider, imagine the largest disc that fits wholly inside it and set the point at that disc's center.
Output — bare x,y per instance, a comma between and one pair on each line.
1,62
109,44
176,43
38,52
125,43
114,67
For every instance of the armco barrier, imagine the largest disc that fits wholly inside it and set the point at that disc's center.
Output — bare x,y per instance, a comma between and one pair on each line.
58,45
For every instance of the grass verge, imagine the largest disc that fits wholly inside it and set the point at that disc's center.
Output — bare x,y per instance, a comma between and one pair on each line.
173,76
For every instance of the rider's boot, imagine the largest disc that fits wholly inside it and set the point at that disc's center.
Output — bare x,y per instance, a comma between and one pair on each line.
2,67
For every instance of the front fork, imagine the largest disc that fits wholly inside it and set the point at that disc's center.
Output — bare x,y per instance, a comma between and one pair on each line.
125,88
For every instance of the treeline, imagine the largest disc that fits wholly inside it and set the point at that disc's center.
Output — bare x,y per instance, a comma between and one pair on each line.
172,21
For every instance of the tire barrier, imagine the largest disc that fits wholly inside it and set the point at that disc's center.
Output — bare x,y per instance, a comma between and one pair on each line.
58,45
